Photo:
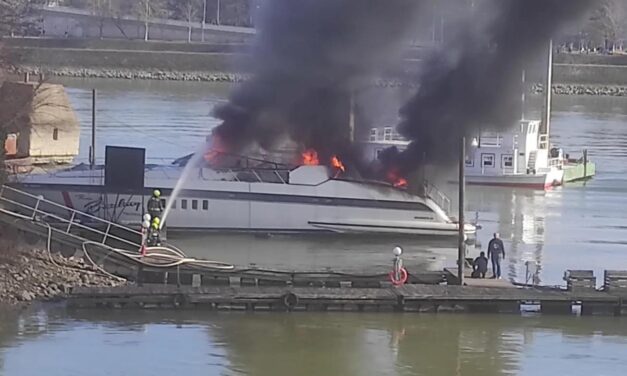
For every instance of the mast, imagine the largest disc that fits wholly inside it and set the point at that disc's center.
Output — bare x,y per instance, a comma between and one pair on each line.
524,95
351,116
548,93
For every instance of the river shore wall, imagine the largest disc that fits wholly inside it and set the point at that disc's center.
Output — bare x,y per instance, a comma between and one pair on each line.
574,74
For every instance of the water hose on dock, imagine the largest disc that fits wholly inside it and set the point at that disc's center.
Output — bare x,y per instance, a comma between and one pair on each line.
166,256
162,257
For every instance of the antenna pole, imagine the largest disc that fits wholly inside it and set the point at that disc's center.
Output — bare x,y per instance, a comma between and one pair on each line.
92,150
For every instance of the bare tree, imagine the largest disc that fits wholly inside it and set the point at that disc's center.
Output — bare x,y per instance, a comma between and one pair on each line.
15,18
103,10
608,23
190,9
147,10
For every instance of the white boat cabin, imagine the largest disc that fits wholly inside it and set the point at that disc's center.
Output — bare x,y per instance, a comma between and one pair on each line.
523,151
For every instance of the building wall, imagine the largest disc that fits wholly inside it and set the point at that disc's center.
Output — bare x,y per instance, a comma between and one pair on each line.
55,128
42,119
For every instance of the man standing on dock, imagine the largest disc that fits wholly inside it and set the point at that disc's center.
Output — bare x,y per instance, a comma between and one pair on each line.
496,252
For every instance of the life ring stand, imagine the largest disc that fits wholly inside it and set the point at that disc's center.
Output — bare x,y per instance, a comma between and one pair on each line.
403,277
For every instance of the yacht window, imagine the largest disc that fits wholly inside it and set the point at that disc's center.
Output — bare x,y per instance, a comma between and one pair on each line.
205,205
55,134
387,134
184,204
373,134
194,204
487,160
508,161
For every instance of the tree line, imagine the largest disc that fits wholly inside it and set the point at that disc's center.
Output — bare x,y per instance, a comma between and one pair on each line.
607,25
219,12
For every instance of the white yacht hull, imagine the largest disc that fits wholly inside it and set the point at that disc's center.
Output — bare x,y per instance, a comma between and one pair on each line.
538,181
310,202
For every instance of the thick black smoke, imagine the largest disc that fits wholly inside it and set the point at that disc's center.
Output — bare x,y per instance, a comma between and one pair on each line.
308,57
473,82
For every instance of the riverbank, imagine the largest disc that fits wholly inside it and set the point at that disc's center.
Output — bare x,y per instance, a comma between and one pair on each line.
582,89
163,75
28,274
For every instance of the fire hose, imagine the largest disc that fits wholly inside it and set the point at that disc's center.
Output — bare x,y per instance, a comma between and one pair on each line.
166,256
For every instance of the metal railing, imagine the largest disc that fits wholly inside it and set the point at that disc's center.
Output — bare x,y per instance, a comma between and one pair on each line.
442,200
544,141
64,219
556,162
491,141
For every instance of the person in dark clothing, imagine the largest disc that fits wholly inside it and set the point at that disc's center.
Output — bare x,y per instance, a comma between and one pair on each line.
496,252
480,266
155,208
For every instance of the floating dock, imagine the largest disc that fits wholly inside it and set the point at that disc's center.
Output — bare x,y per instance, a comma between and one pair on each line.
577,170
408,298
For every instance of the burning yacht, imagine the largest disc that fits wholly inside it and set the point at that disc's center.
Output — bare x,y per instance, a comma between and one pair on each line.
266,198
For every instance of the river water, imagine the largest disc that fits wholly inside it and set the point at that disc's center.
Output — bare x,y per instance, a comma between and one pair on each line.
580,226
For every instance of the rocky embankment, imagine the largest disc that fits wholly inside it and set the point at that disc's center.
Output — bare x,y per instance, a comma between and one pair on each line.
131,74
161,75
582,89
166,75
29,275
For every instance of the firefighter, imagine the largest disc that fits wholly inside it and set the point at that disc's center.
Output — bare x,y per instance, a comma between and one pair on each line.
155,207
154,234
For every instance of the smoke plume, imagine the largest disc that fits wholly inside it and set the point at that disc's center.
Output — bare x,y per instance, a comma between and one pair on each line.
473,82
308,57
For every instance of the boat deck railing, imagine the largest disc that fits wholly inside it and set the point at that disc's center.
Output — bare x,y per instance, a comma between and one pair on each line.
556,162
441,199
23,205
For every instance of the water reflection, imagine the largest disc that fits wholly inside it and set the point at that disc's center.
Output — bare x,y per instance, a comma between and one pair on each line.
197,343
520,218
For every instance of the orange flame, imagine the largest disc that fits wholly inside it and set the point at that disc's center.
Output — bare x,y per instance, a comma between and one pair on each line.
400,183
396,180
215,150
335,162
211,155
310,158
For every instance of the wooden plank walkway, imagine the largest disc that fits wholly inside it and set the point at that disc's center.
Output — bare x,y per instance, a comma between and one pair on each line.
451,274
408,298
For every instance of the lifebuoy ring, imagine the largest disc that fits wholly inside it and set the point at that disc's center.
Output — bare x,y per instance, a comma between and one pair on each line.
403,277
290,301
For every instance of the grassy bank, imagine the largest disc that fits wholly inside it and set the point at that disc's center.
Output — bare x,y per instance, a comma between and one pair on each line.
123,60
124,44
591,74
